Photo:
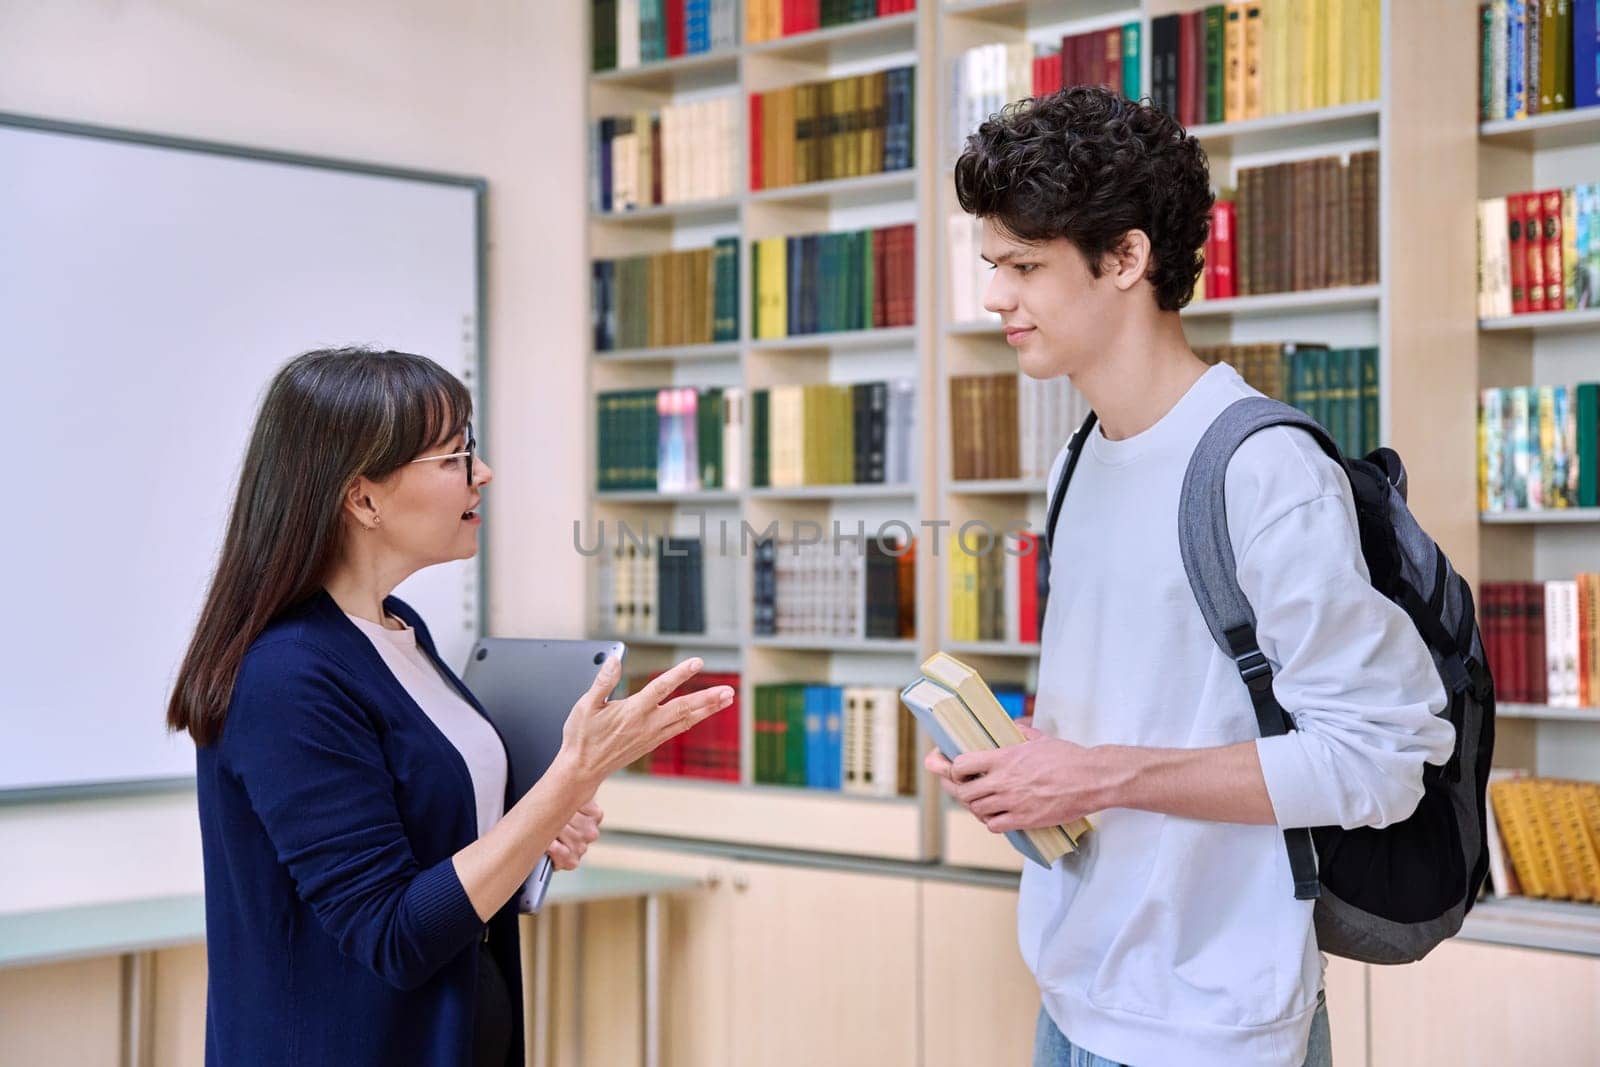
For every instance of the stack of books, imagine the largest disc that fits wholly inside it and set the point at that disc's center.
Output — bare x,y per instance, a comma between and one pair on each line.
955,706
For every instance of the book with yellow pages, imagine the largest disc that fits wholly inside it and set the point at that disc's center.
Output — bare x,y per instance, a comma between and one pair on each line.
955,706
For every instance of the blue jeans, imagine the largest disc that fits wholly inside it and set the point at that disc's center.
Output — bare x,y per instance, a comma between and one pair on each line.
1052,1049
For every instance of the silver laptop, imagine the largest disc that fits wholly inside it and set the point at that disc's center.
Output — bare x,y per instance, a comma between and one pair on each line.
528,687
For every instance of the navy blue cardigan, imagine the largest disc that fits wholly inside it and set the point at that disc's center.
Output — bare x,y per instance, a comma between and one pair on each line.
337,931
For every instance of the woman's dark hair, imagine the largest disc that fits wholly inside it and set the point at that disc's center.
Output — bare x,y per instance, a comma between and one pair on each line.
328,416
1089,165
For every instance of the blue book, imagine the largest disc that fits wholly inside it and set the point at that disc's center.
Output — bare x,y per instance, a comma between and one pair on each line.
1516,58
816,699
833,732
1585,53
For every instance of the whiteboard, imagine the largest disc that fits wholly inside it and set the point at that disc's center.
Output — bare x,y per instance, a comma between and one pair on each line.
149,289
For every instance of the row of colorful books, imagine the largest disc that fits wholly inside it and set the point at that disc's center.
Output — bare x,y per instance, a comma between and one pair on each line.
994,586
676,439
1298,226
652,585
627,33
1538,448
710,749
847,585
1544,837
768,20
840,128
1339,387
1542,640
1539,251
848,738
855,434
675,154
1010,425
1237,61
685,297
983,80
825,282
1536,57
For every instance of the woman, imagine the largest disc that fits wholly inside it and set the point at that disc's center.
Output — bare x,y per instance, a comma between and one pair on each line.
359,848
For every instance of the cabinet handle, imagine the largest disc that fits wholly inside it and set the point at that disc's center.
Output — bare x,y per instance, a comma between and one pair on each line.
740,883
712,880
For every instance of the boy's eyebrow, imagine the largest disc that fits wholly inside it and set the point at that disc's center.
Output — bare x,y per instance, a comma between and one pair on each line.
1003,257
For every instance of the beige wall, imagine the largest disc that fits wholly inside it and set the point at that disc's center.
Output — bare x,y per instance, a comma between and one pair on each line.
486,87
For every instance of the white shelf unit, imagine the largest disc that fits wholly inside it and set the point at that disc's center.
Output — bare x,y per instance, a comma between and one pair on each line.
745,812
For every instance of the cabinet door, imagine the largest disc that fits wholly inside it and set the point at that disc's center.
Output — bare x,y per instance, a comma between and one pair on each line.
695,966
824,969
980,1002
1346,984
1474,1005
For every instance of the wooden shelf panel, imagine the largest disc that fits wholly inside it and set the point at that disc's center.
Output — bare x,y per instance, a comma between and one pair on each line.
837,492
1562,129
850,645
690,211
771,816
675,75
883,188
651,496
1545,322
1021,14
1556,925
708,641
675,354
1547,713
967,843
1348,297
840,340
991,648
1329,125
1543,517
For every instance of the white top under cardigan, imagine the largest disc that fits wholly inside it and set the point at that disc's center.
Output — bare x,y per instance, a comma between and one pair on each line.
459,721
1179,941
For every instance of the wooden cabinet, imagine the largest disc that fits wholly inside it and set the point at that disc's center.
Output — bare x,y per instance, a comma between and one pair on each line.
980,1002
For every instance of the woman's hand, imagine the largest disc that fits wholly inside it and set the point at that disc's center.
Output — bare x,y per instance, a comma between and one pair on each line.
601,738
574,840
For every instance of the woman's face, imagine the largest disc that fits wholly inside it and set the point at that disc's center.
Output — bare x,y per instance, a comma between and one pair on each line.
428,510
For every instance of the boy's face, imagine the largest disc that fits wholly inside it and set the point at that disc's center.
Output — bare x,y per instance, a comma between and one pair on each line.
1056,314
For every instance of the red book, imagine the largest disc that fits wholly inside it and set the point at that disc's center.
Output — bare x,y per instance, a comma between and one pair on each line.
1223,219
1040,66
1533,234
755,142
1053,75
789,20
1028,588
879,280
1519,255
1555,297
1186,93
1538,666
675,26
1069,65
909,275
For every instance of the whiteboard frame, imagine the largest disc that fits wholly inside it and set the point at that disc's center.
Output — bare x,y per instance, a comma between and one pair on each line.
480,190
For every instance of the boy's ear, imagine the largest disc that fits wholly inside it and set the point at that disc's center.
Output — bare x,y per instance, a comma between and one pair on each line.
1131,259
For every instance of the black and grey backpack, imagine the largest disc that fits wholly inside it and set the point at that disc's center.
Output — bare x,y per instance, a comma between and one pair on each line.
1383,895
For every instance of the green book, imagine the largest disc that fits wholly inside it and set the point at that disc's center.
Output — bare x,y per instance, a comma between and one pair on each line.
1334,408
1214,62
1588,420
760,454
794,735
1131,87
1370,438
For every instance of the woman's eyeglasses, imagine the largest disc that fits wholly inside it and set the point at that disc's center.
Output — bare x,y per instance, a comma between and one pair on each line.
472,446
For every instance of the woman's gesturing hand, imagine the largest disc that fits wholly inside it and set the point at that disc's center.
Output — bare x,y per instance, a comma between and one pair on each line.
581,831
602,737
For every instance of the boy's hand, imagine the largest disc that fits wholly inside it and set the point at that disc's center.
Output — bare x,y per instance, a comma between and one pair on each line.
1043,782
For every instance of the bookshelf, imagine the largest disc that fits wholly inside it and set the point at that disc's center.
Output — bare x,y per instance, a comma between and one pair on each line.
744,812
1434,164
1556,150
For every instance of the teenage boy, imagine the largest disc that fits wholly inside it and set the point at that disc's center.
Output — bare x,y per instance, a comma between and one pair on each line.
1174,935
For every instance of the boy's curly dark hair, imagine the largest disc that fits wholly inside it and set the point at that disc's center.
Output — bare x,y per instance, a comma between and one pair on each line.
1089,165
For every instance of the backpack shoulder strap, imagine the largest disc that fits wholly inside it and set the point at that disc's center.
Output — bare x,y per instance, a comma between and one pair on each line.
1074,450
1209,562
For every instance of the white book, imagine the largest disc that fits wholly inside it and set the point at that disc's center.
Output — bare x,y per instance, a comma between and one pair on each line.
1497,258
1498,44
1555,676
733,438
627,34
605,589
721,596
1567,644
1013,591
853,735
962,306
900,462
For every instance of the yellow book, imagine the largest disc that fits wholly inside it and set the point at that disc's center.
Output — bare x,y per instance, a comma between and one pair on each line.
1333,40
772,311
1275,16
1253,43
1540,838
1562,846
1305,46
1514,830
1354,35
1569,796
1317,53
1233,60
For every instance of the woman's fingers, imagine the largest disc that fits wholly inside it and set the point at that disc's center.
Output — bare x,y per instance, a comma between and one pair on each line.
605,680
684,712
669,680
